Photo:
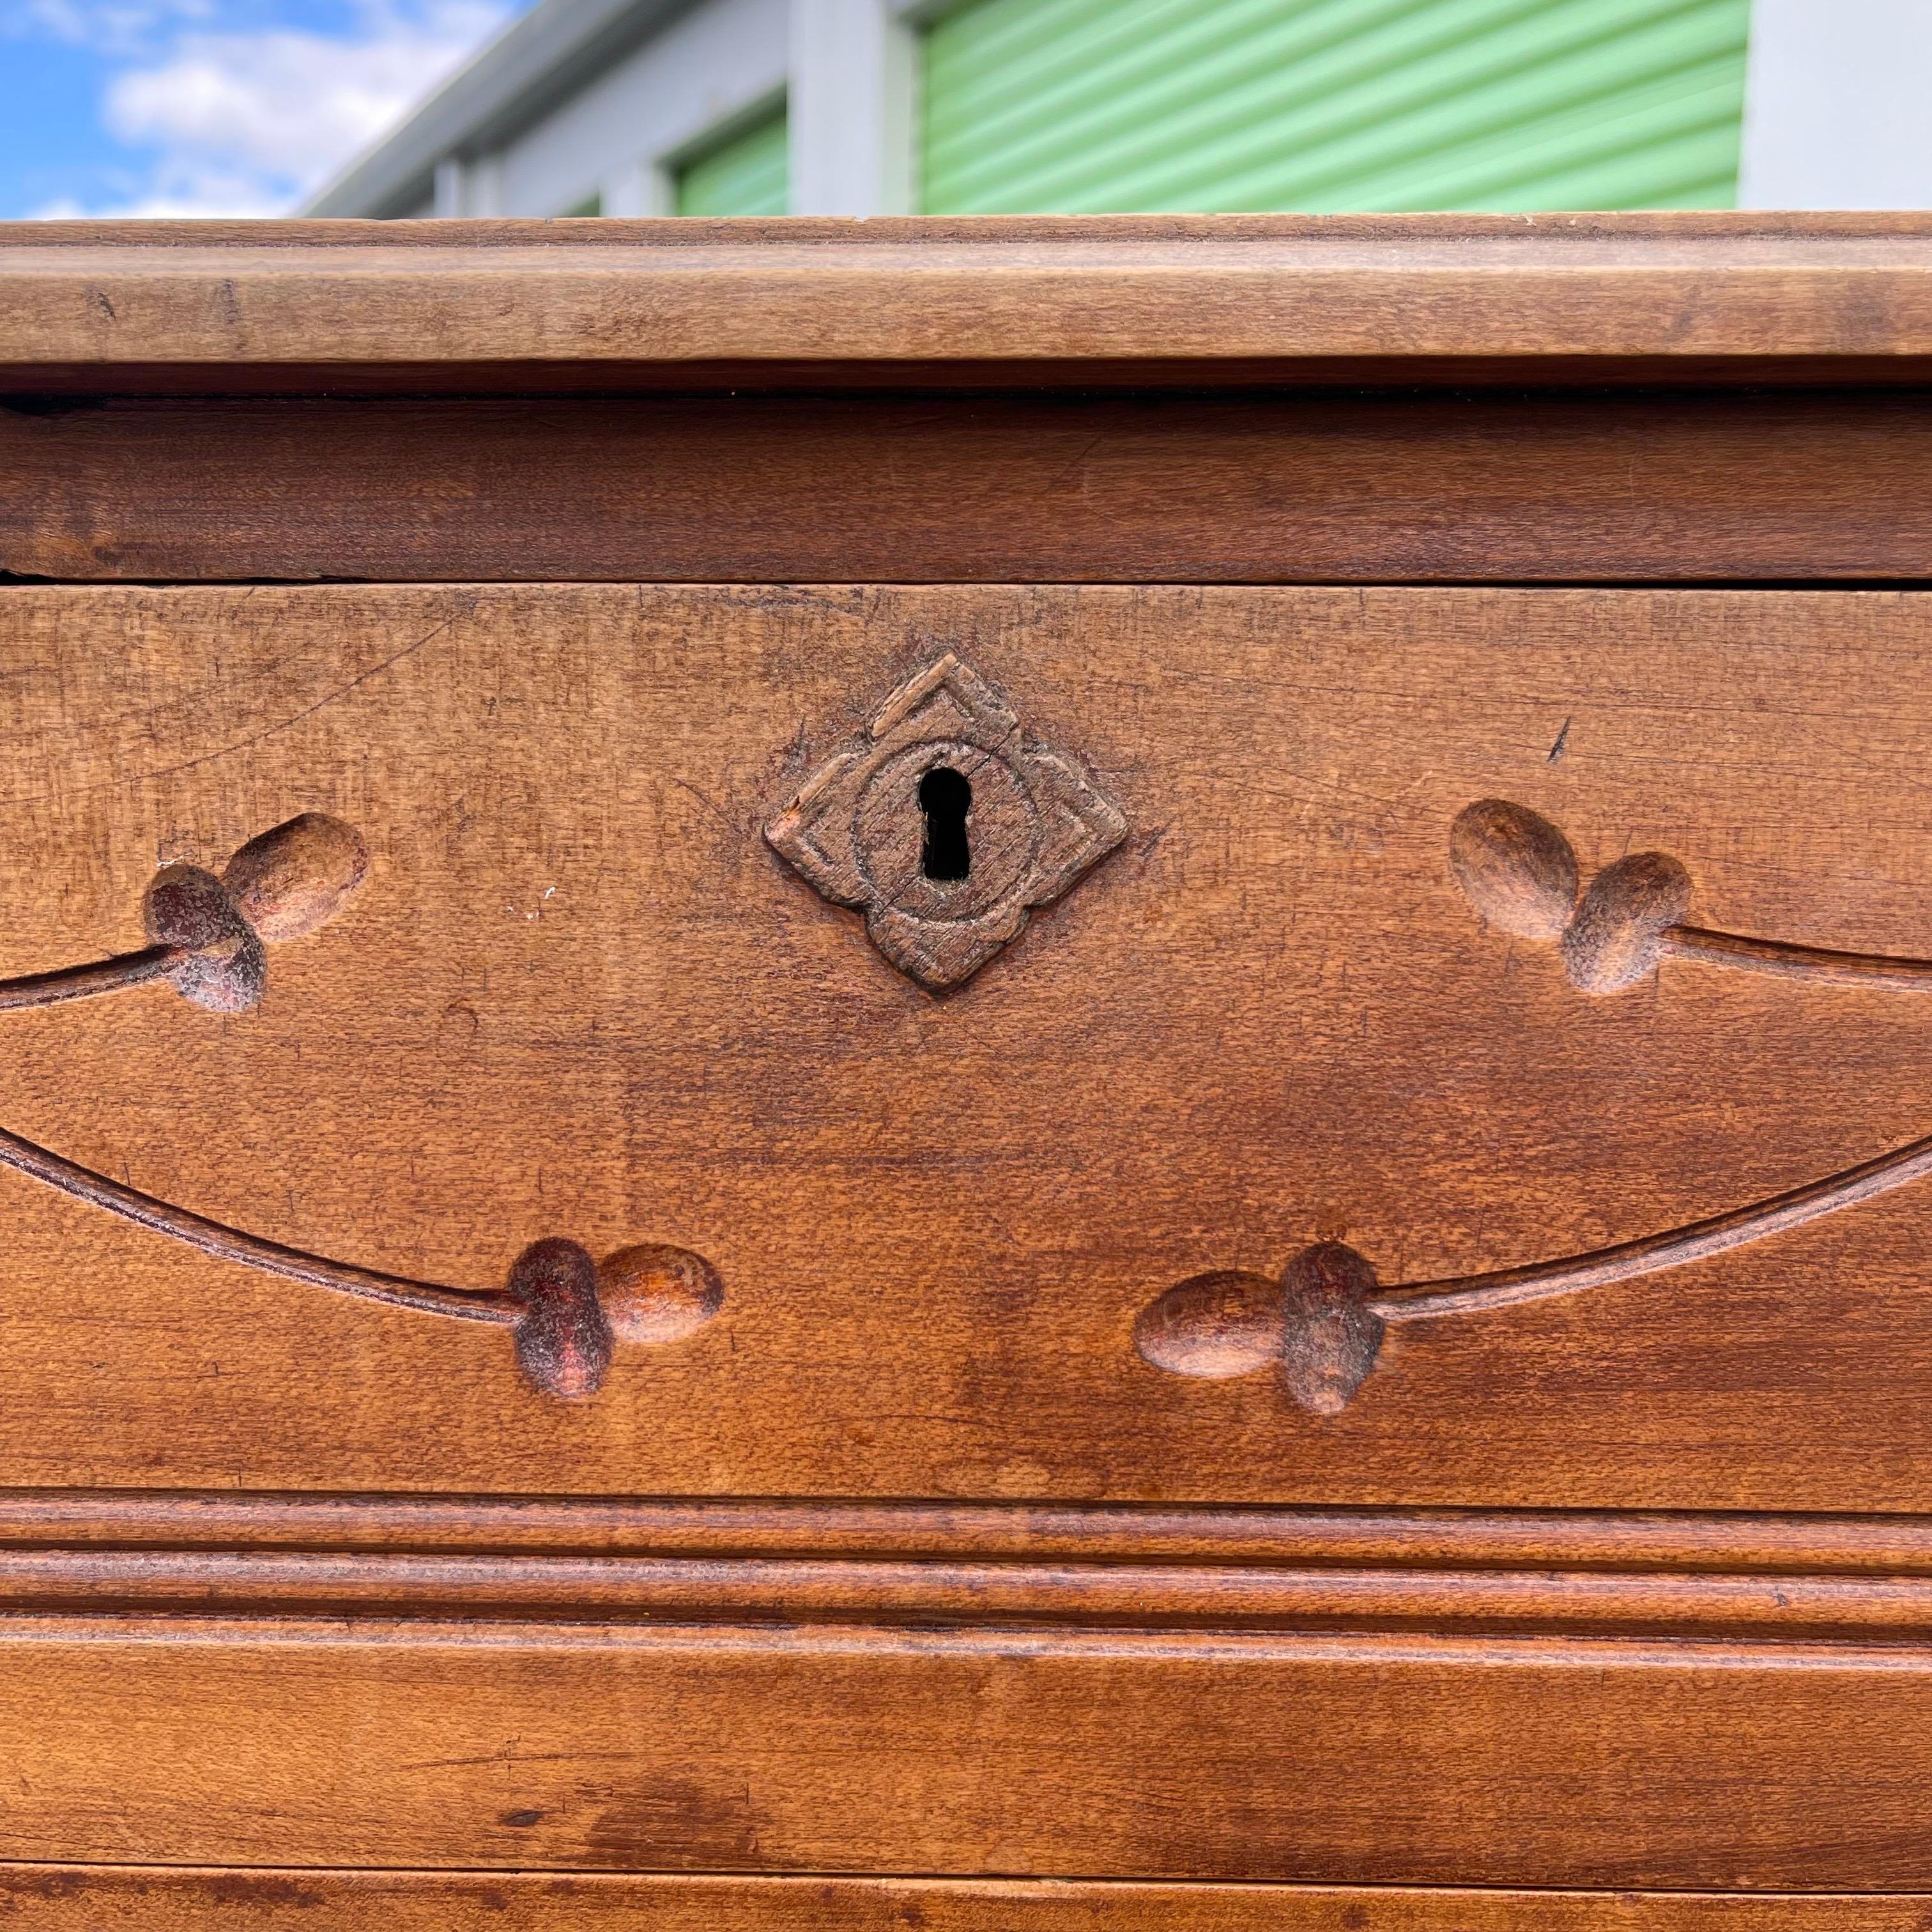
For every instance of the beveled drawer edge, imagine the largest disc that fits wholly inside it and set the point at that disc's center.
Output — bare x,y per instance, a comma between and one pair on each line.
70,1897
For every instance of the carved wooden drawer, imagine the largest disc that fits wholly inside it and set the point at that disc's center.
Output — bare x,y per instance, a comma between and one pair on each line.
1193,1166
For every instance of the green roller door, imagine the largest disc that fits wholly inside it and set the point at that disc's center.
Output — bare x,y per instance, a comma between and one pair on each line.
1087,106
749,174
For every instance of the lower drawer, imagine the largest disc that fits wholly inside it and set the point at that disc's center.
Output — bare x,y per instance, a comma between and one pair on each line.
1338,1758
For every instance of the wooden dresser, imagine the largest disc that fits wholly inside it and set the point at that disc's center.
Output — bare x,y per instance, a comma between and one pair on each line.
1029,1076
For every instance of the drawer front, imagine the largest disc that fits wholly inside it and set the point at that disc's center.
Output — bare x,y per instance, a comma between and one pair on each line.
580,994
1339,1760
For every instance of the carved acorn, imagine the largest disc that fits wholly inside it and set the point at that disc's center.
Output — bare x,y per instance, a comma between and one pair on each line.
1617,936
288,881
563,1337
1330,1336
1518,871
1225,1323
281,885
221,964
652,1293
1317,1322
1514,867
208,936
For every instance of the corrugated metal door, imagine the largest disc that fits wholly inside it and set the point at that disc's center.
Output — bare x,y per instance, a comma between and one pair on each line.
1079,106
749,174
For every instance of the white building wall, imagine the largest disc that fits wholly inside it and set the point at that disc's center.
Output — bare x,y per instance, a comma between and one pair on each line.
1838,105
1837,110
622,136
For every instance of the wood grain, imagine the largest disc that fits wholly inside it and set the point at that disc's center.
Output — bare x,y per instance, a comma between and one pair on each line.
577,990
79,1898
1254,487
1332,1759
346,296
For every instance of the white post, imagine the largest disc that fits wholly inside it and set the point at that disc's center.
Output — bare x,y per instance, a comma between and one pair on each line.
644,189
850,108
468,188
484,186
448,189
1836,112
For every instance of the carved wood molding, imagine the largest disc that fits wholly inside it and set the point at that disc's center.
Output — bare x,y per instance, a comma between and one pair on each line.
1041,1530
930,1593
1520,873
1323,1323
209,937
1173,1567
79,1897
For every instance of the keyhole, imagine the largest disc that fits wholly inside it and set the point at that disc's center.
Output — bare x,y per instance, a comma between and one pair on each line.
945,797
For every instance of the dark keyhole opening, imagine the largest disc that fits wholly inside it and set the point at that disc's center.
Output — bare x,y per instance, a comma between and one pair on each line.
945,797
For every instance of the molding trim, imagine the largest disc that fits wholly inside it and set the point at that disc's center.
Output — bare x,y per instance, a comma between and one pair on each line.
1685,1541
734,1563
931,1594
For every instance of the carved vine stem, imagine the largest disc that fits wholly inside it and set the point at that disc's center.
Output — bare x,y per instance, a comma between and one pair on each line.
567,1310
1785,961
210,934
233,1244
1648,1254
98,976
1323,1322
1520,873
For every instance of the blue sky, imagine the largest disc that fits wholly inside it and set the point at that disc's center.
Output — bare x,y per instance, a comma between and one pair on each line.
209,107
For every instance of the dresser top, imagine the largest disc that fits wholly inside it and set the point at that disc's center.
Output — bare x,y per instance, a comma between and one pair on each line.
512,306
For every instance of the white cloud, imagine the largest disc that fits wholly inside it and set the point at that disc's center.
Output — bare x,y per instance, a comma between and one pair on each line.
117,28
243,123
176,193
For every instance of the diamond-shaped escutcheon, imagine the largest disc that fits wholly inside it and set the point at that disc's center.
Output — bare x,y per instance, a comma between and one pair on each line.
945,825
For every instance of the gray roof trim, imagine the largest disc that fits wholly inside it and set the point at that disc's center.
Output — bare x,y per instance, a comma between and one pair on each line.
552,50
